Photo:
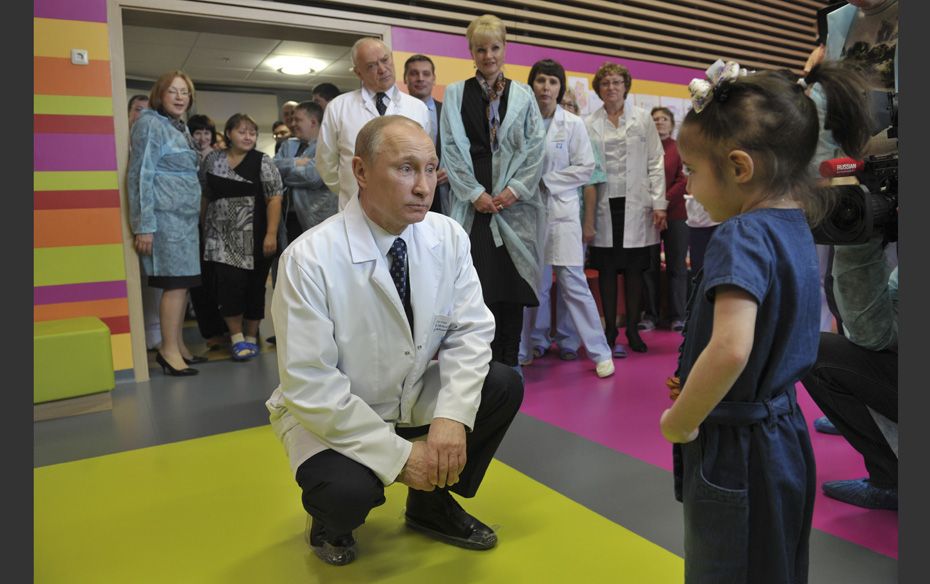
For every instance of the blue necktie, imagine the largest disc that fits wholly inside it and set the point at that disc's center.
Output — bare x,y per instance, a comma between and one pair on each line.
379,103
398,255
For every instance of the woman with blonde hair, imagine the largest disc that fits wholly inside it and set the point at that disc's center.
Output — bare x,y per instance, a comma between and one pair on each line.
164,207
493,146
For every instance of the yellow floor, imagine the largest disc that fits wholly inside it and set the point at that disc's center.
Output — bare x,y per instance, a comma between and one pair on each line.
224,509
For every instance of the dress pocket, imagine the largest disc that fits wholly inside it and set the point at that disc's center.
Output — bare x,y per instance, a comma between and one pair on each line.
716,525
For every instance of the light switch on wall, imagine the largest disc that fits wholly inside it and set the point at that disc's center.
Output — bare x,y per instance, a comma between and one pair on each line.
79,57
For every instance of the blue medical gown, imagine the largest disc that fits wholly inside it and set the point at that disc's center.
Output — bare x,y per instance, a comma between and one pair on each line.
164,195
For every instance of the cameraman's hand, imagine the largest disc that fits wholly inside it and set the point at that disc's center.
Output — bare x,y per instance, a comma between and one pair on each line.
815,58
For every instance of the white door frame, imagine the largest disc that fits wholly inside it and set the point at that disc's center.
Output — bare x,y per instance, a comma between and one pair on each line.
291,15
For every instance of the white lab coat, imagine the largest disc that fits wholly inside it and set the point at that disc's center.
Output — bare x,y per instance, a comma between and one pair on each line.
342,121
569,165
349,367
645,179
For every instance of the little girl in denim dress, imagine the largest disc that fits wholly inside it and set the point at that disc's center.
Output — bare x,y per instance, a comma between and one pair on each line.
744,464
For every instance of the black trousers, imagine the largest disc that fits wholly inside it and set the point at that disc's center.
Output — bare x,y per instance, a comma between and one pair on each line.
287,233
206,308
675,243
240,291
340,492
845,380
203,298
508,326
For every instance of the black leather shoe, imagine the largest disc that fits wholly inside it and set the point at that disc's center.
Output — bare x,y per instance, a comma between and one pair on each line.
338,552
438,515
195,360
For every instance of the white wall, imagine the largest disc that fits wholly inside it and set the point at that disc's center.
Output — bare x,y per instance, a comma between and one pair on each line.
221,105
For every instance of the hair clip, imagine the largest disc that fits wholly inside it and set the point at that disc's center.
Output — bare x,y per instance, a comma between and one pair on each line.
722,91
703,90
802,82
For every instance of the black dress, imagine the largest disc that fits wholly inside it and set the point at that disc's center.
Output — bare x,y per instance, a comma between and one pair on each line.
500,280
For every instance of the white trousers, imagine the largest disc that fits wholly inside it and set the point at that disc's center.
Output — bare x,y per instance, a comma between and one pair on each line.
577,319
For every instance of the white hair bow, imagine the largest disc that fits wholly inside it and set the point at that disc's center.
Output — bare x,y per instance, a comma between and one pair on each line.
702,90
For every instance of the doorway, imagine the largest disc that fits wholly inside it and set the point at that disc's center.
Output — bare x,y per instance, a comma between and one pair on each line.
231,59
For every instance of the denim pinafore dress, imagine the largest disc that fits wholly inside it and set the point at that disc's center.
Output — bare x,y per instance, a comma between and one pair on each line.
747,483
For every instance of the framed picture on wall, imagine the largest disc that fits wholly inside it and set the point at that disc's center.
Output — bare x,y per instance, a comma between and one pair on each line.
588,101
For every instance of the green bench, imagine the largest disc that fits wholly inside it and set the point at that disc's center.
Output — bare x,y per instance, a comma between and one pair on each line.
72,367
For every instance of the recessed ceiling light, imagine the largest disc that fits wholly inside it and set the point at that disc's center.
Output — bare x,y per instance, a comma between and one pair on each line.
296,65
296,69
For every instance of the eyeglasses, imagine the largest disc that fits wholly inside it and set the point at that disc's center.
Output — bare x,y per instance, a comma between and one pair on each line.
181,92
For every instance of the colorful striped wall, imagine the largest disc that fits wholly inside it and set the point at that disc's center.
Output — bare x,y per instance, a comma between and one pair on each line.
653,83
77,239
78,260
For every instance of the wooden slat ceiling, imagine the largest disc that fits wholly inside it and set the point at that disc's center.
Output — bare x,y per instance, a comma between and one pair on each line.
760,34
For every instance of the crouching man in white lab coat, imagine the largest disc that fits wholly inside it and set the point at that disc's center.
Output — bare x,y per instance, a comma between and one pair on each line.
364,303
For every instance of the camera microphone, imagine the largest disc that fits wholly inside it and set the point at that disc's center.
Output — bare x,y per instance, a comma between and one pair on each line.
841,167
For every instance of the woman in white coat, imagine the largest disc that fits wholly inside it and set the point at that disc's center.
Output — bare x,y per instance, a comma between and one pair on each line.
569,163
630,208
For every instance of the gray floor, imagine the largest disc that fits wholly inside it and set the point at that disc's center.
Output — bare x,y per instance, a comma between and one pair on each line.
229,396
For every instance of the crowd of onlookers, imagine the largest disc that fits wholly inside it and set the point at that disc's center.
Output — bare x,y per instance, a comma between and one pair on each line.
193,182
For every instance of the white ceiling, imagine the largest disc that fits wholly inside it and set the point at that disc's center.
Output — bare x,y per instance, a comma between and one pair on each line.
235,60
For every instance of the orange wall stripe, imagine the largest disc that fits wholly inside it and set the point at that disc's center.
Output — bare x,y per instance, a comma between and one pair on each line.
53,76
99,308
67,227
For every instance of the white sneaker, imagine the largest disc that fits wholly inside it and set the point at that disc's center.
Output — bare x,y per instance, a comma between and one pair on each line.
605,368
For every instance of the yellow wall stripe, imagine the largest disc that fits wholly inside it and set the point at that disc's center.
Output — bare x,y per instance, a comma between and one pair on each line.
122,351
55,38
78,264
67,105
450,70
75,180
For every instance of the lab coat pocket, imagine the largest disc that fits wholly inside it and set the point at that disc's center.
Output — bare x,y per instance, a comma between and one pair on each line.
564,207
557,153
362,362
439,328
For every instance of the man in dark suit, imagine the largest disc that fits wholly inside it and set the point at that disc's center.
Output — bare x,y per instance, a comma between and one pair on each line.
420,77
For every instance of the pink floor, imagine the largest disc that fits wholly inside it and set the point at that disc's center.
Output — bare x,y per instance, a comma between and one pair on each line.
622,412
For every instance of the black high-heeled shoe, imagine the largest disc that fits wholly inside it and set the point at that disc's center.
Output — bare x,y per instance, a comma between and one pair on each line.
636,343
194,360
167,369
